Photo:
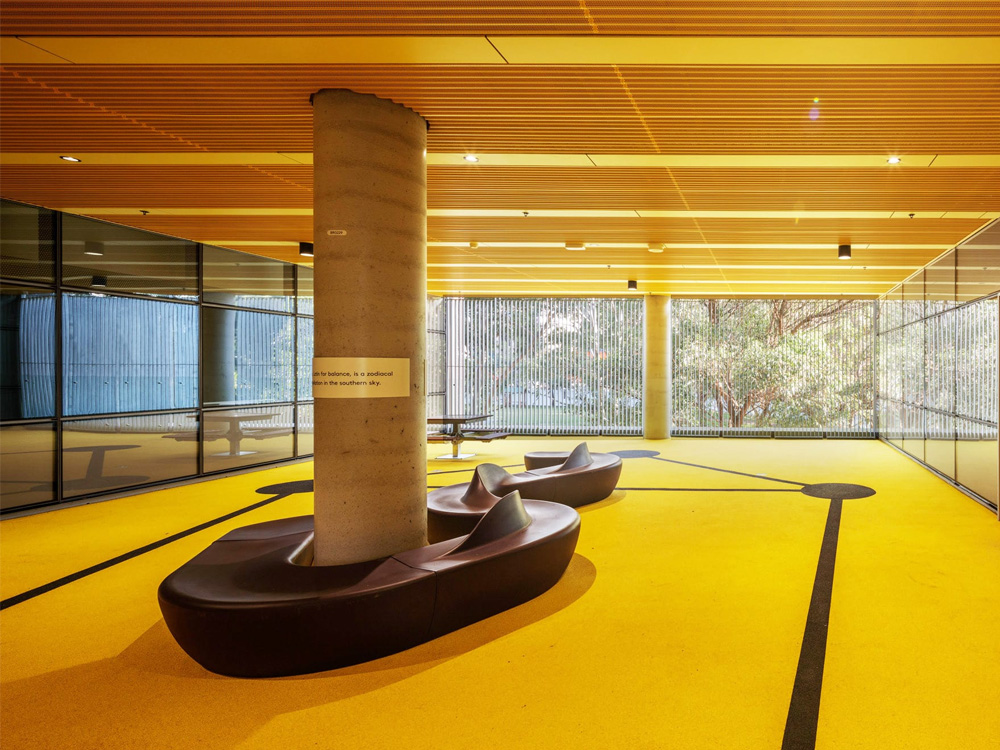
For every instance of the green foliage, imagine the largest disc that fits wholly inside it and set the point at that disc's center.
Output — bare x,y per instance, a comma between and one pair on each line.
775,364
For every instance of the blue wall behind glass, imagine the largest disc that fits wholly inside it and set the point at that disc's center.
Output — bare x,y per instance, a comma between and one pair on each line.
27,340
122,354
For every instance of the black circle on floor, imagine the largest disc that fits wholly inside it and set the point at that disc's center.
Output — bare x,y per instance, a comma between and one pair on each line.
838,491
635,454
287,488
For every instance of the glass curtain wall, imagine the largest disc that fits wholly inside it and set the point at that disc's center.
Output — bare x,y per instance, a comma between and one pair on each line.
773,368
938,378
546,366
132,358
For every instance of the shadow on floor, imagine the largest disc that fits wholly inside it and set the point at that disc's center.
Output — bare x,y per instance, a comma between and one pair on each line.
615,497
153,695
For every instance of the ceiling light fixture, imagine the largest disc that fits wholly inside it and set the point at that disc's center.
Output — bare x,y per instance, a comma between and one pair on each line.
633,285
99,282
844,252
70,158
473,245
93,247
575,246
471,158
894,160
306,249
655,247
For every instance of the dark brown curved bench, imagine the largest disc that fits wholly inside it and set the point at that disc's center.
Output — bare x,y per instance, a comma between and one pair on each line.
252,605
581,478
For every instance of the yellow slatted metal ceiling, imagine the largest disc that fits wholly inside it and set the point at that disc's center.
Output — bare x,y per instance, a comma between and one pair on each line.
741,142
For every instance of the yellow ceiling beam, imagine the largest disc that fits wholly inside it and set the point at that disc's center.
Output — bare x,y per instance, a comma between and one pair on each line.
500,50
630,50
672,161
253,50
547,213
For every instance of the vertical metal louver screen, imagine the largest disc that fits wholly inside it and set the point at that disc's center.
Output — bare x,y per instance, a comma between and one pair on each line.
547,366
773,368
436,350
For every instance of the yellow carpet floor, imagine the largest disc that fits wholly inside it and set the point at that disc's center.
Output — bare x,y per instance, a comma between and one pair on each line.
677,625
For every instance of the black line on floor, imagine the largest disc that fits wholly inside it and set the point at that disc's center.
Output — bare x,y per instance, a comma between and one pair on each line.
803,710
471,468
727,471
45,588
701,489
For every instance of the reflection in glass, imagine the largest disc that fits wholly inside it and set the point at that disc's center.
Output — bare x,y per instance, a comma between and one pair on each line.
244,280
27,248
247,357
27,353
110,453
27,464
305,429
305,291
243,437
98,255
976,397
305,357
127,354
979,264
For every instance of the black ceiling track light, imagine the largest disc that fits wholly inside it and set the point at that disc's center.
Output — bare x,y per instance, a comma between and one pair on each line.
844,252
306,249
99,282
633,285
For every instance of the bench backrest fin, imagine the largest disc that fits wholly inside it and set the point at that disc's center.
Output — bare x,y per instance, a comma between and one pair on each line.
578,458
503,519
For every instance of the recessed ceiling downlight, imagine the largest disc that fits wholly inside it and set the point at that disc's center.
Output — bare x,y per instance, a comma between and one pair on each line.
471,158
575,246
655,247
70,158
894,160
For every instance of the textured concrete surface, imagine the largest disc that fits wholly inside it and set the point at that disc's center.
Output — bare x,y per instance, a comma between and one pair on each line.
370,182
656,373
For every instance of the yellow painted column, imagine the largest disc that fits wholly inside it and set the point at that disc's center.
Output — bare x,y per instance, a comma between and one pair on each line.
656,367
370,237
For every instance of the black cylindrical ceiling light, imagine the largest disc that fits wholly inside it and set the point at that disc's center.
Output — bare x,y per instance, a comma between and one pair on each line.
844,252
633,285
306,249
99,282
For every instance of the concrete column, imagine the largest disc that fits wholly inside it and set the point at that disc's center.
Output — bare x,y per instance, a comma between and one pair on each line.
370,222
656,367
219,363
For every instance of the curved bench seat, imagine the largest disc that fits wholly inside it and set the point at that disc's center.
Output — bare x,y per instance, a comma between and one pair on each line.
251,605
580,478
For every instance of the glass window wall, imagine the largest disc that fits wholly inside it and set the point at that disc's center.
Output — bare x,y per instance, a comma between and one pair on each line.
130,380
102,257
247,357
125,354
101,455
938,365
27,464
27,244
242,280
243,437
27,347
